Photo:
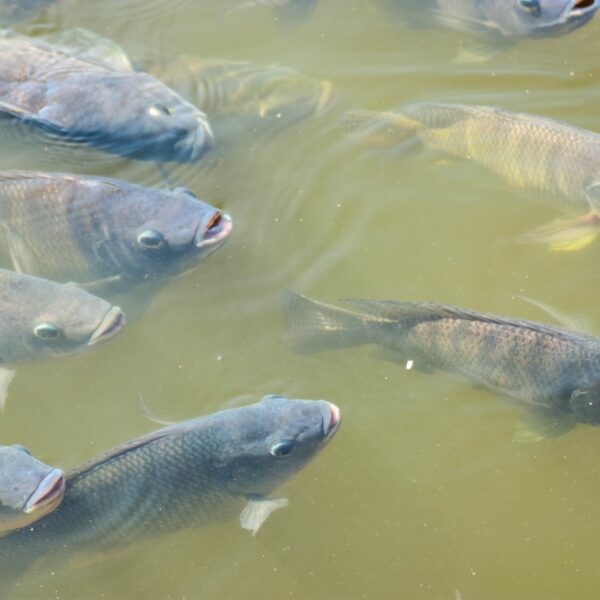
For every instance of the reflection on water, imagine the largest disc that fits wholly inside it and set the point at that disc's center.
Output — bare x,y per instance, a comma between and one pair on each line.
423,492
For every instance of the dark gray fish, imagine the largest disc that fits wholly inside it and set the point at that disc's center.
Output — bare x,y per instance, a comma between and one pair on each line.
260,96
103,233
130,114
544,158
29,489
554,370
41,319
192,474
500,23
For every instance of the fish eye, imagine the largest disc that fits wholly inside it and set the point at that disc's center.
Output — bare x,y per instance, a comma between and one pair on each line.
531,6
46,331
159,110
150,238
283,448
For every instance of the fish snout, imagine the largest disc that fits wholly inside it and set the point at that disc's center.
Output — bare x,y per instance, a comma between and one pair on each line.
111,325
215,231
332,418
48,494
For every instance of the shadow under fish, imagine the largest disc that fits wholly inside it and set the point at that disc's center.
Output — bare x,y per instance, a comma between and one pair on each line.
192,474
553,371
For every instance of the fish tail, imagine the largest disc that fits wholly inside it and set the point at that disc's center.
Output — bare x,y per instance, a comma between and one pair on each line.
380,129
313,327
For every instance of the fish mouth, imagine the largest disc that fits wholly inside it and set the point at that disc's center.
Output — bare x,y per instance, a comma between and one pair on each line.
113,322
197,143
581,7
48,494
215,232
331,419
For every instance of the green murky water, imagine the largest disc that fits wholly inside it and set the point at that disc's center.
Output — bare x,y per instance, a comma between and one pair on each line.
424,491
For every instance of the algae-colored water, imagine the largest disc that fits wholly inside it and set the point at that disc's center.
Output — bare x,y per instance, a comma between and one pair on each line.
424,494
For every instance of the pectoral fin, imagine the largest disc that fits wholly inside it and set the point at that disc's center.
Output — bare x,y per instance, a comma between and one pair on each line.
6,377
90,286
20,254
538,424
565,235
476,51
257,511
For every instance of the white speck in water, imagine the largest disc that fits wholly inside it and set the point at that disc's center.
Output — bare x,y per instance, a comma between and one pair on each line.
409,365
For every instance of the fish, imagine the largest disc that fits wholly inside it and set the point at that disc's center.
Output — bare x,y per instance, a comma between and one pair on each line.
552,372
288,12
543,158
498,24
192,474
130,114
12,11
228,90
29,489
104,234
41,319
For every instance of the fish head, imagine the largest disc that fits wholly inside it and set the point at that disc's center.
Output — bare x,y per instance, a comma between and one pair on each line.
132,115
169,232
59,319
542,18
29,489
286,96
266,443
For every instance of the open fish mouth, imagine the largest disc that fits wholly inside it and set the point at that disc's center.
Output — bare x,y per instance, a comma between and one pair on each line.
331,419
48,494
113,322
215,232
582,6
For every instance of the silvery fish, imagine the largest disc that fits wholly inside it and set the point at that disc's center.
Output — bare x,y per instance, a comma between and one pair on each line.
497,24
41,319
289,12
191,474
103,233
29,489
546,159
553,371
130,114
230,90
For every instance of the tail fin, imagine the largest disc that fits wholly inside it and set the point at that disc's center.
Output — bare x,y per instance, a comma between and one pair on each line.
380,129
312,326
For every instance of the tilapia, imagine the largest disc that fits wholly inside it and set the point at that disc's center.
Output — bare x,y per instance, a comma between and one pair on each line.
103,233
130,114
553,371
191,474
41,319
498,24
545,159
234,90
29,489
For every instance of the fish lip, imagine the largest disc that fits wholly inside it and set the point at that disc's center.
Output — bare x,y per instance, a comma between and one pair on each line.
112,323
203,140
48,493
332,418
215,232
573,10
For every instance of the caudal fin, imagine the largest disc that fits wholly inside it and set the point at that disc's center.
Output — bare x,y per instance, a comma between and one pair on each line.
312,326
380,130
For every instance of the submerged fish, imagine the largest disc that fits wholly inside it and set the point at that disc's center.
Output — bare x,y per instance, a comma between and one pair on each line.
554,371
103,233
230,89
29,489
192,474
17,10
41,319
129,114
500,23
544,158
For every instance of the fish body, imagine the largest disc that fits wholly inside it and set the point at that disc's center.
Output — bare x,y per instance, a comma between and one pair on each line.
41,319
29,489
123,112
267,95
512,19
545,158
94,230
191,474
532,363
